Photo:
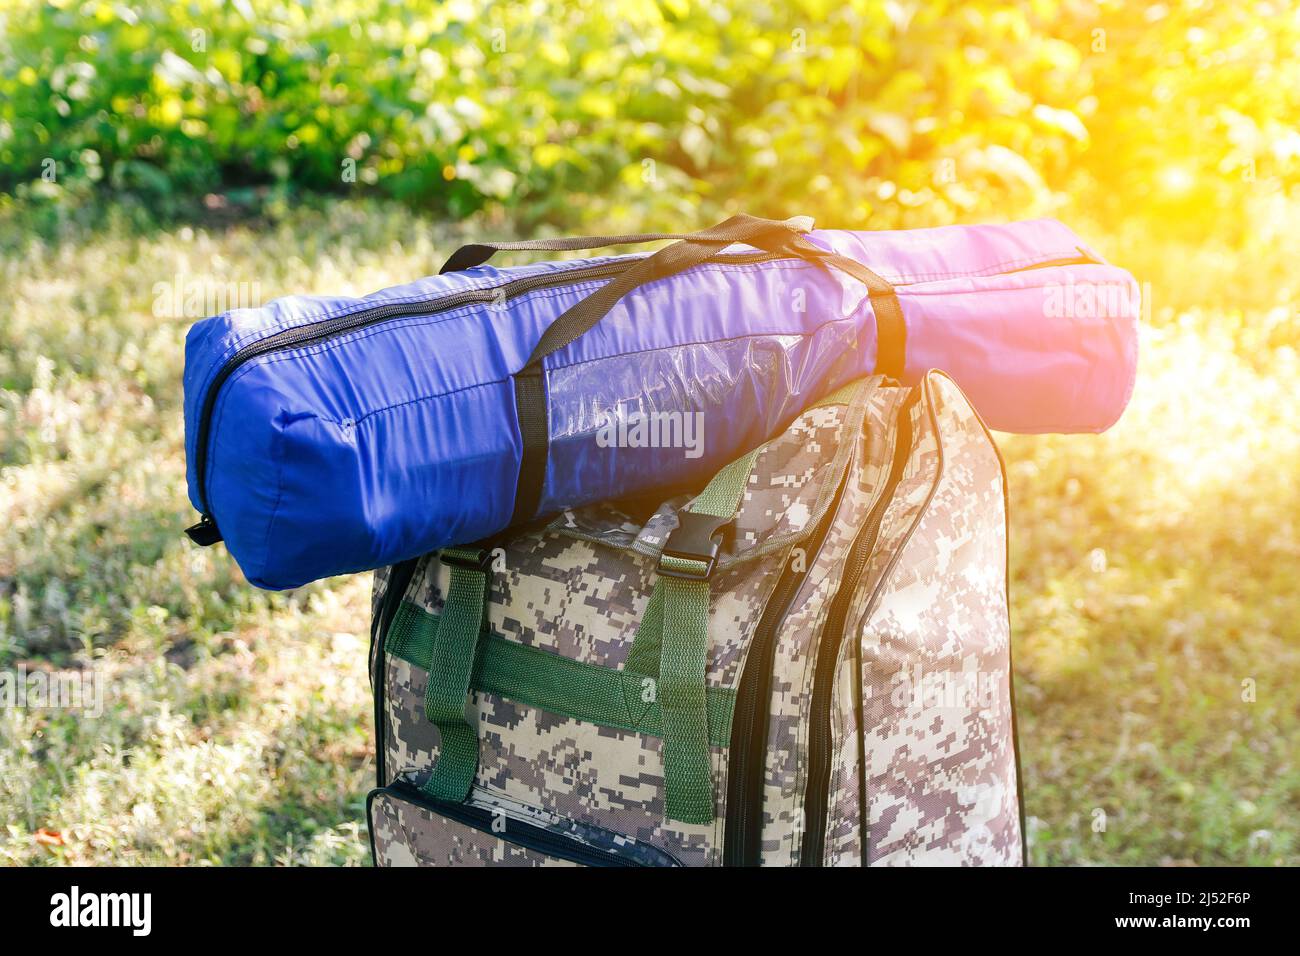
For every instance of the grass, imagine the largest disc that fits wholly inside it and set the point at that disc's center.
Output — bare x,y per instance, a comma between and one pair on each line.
1156,615
1154,571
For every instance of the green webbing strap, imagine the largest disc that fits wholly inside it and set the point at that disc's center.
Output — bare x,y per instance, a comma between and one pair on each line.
688,774
671,644
841,396
643,656
676,619
721,496
450,667
540,678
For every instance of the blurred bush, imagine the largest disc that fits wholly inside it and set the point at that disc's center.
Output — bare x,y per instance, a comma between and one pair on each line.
622,111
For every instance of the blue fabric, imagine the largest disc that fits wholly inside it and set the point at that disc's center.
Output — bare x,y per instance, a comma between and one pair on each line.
391,441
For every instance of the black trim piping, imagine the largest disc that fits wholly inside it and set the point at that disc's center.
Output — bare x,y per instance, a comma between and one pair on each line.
399,579
530,388
205,532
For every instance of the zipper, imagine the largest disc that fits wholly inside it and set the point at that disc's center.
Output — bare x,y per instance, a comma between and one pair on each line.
399,579
1084,258
819,756
205,532
522,834
746,775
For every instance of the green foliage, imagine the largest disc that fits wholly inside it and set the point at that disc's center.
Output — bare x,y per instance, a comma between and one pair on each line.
1153,567
617,112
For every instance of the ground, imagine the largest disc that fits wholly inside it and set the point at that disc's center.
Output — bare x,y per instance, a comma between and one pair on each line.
1154,570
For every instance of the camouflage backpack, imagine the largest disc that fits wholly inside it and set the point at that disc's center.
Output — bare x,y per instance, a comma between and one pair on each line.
804,663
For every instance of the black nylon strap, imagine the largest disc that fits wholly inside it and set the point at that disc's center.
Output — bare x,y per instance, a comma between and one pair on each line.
670,260
477,253
534,429
891,329
767,234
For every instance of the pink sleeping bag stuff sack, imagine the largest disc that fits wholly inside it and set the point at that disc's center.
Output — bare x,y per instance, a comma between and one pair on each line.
1041,332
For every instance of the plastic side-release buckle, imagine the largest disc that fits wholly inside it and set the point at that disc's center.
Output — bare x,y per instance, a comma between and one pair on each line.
695,539
473,559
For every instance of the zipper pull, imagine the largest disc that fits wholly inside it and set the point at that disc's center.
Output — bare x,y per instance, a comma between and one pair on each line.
205,533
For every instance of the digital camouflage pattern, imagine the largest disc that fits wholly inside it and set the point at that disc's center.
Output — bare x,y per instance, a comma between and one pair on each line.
409,835
548,764
798,639
933,641
930,609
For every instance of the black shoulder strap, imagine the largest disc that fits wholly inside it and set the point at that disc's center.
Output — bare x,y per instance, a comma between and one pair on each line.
477,253
783,237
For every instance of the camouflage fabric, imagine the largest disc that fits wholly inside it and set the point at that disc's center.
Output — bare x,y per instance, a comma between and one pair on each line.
928,610
796,650
935,741
548,765
844,843
378,588
409,835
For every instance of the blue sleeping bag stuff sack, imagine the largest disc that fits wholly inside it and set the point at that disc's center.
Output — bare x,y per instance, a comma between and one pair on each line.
327,435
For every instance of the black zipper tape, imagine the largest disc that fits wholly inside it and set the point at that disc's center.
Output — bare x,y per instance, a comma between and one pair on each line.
819,756
206,532
747,754
399,579
526,835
